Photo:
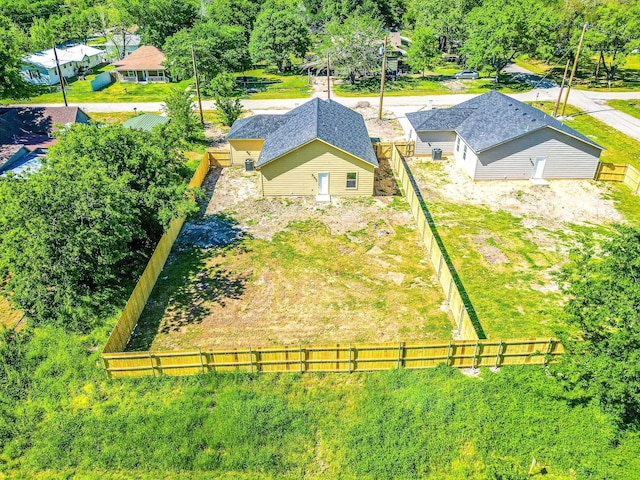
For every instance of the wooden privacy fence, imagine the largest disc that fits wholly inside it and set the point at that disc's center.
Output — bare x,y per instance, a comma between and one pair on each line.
383,150
133,309
218,158
335,358
619,172
465,318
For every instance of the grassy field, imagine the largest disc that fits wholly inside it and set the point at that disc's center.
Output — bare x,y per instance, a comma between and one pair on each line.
631,107
620,147
289,86
303,286
627,78
79,91
438,83
434,424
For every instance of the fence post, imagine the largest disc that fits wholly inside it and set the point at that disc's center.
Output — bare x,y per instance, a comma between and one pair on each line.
449,353
201,362
300,357
349,364
153,371
462,309
251,359
440,265
475,355
450,289
544,361
400,355
498,354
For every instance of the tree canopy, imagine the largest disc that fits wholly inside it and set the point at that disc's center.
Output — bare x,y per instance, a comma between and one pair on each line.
280,34
602,359
12,46
74,234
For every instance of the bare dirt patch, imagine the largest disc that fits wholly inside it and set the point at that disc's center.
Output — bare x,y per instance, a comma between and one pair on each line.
256,271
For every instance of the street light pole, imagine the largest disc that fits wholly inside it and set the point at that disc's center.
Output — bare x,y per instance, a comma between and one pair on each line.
328,78
64,94
573,70
383,75
195,73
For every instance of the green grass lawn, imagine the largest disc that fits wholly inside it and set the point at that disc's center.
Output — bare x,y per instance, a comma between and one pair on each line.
627,78
79,91
439,82
289,86
620,147
631,107
435,424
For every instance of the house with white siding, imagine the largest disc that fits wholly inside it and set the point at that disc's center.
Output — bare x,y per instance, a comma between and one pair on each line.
40,68
496,137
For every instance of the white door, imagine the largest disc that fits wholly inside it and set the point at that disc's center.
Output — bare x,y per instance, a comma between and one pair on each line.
538,168
323,184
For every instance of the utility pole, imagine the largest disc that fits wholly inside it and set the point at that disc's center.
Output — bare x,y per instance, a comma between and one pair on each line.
64,94
195,73
564,79
328,78
573,70
383,74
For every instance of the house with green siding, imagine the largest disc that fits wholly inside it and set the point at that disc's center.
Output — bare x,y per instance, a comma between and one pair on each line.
320,148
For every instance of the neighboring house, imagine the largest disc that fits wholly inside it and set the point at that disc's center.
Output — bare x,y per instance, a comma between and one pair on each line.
28,131
145,121
497,138
40,68
120,45
320,148
142,66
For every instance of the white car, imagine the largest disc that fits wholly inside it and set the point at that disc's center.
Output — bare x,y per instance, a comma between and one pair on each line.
467,75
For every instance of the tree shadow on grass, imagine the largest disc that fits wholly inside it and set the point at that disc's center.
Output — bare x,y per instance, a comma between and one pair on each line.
194,279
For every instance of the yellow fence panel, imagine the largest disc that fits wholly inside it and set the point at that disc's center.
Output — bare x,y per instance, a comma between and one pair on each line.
618,172
218,158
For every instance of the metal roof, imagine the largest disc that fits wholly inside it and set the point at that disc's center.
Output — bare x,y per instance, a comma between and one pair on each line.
490,120
76,53
145,121
325,120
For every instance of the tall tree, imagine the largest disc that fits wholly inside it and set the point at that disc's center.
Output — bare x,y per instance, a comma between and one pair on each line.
160,19
500,30
423,51
602,359
74,234
178,106
239,13
218,48
12,47
354,46
226,97
280,34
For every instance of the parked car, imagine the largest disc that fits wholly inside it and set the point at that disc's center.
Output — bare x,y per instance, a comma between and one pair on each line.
466,75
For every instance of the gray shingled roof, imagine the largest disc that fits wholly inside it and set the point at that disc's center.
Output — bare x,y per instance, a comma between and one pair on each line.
258,126
490,120
326,120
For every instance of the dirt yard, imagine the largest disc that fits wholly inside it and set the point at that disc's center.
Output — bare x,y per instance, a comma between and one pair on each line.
256,271
508,238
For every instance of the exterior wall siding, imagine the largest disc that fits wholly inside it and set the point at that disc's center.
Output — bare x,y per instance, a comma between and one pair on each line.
243,149
566,157
470,160
426,141
297,172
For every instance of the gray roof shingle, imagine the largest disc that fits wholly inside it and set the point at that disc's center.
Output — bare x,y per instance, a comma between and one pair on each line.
490,120
326,120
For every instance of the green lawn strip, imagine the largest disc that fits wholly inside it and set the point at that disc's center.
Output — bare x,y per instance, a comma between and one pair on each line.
330,276
630,107
620,147
416,85
288,86
431,424
79,91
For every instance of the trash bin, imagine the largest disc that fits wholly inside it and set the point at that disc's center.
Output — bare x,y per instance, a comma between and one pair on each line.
248,165
436,154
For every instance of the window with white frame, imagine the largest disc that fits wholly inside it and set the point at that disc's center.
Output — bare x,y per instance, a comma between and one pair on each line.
352,180
464,153
458,144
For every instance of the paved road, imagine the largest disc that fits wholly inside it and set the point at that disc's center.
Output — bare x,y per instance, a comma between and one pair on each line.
592,103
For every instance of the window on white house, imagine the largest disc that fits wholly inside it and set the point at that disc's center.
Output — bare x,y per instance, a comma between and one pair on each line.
464,153
458,144
352,180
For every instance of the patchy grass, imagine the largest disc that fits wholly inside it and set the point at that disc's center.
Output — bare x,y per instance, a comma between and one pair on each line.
111,118
79,91
8,316
506,240
305,284
288,86
620,147
630,107
430,84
